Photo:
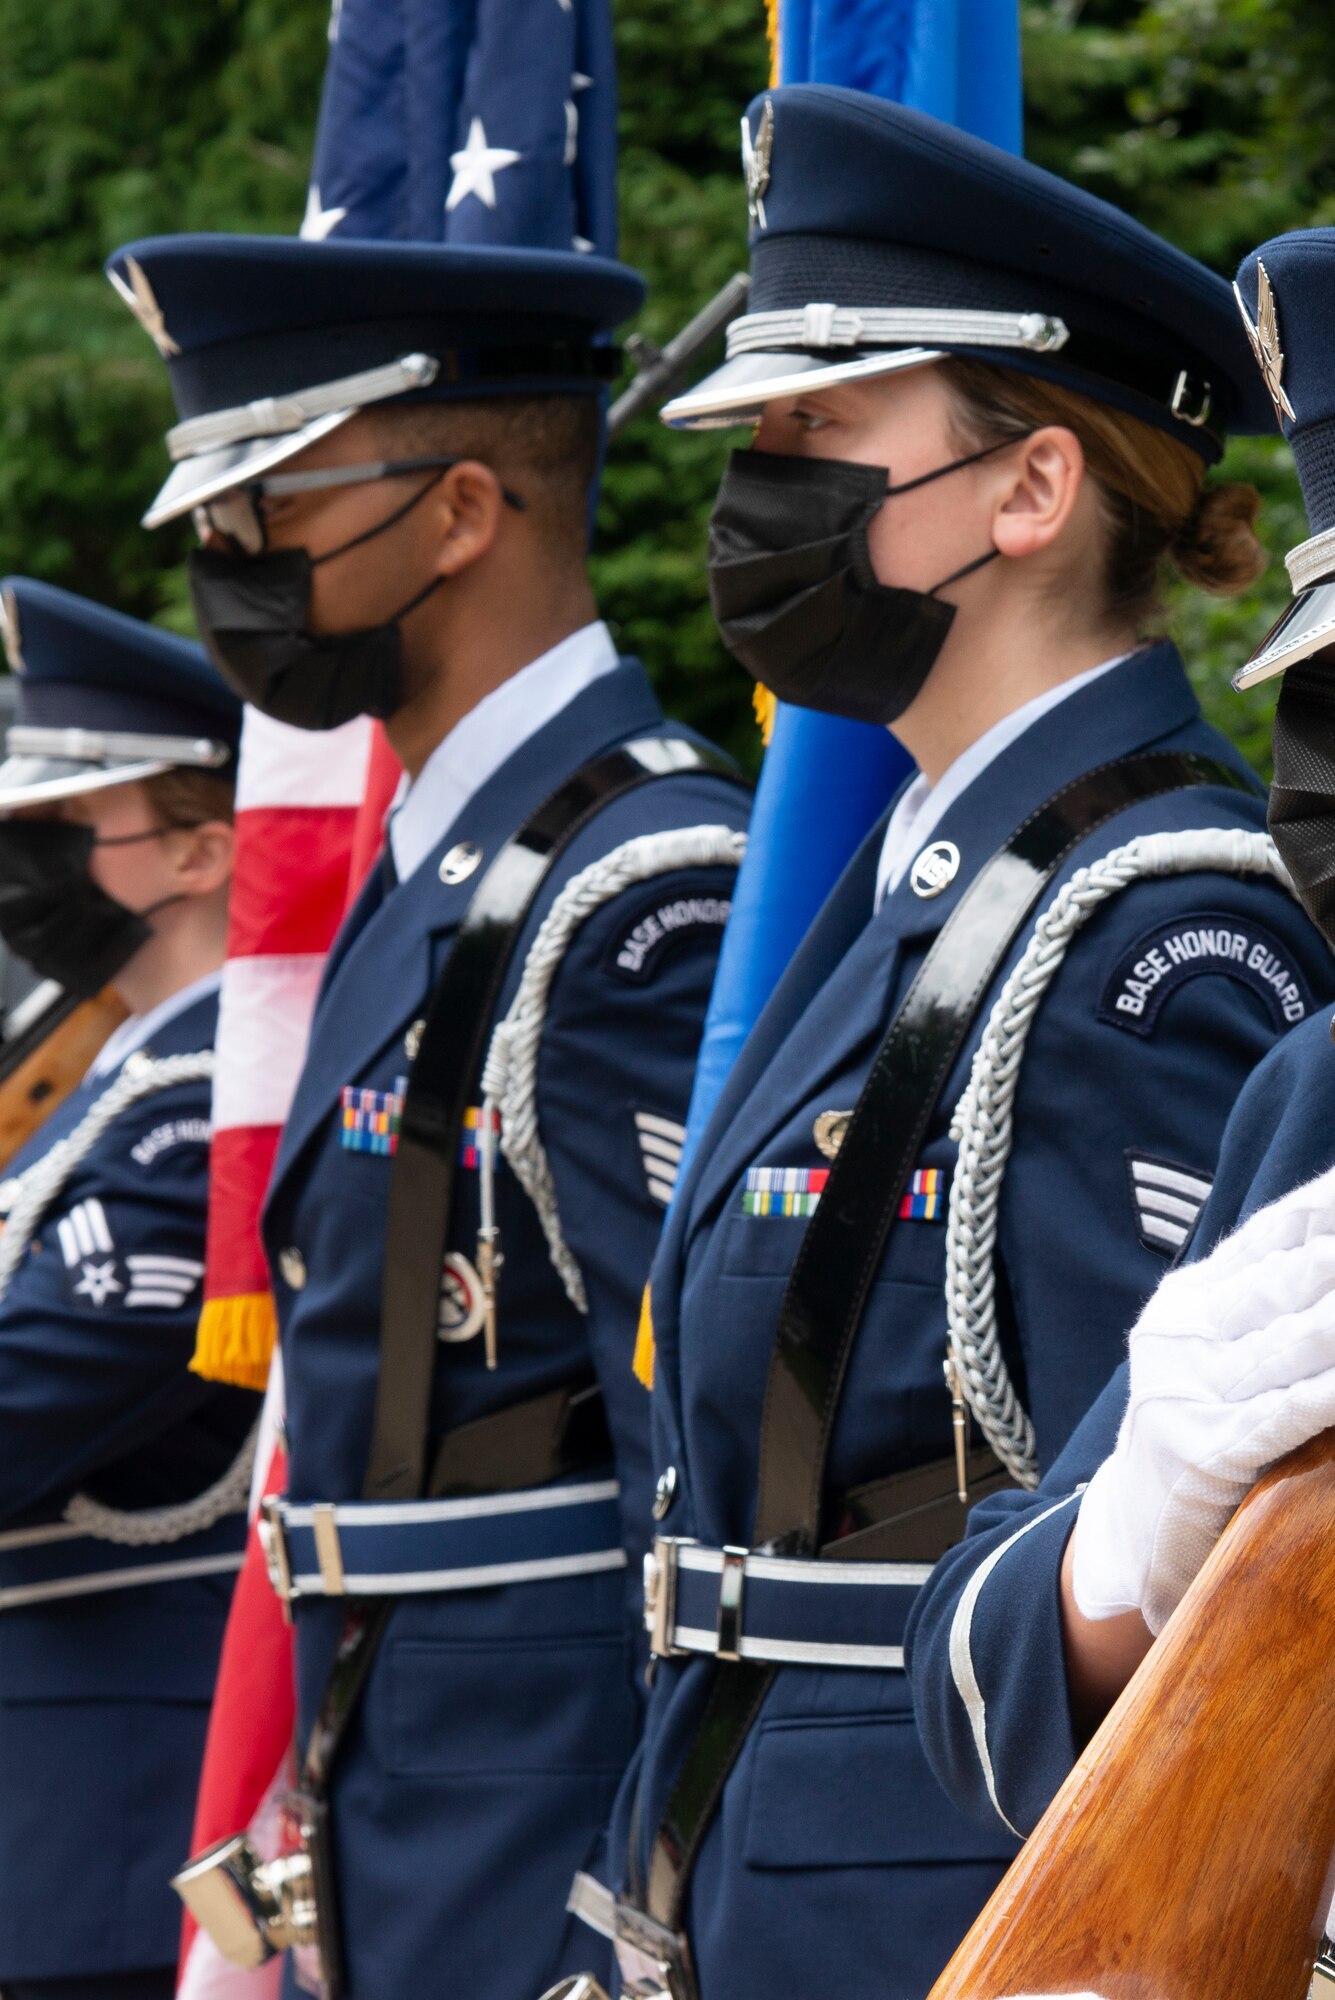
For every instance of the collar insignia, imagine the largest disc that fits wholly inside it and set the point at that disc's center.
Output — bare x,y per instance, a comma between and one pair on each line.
1264,337
139,296
9,630
757,154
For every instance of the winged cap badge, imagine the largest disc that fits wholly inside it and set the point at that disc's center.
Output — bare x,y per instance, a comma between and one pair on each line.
140,297
1264,337
757,154
9,630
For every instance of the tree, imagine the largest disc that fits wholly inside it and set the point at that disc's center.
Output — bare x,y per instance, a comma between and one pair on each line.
1208,119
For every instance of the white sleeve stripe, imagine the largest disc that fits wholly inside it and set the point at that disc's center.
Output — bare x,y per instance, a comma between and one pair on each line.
667,1128
69,1249
1150,1174
1163,1231
1151,1201
97,1223
661,1190
83,1235
961,1655
147,1261
143,1297
663,1149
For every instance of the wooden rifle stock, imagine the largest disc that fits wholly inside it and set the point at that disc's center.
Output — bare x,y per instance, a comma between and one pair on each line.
46,1057
1188,1854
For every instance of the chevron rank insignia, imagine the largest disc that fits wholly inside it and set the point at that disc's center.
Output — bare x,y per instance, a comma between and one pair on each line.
661,1140
369,1120
1167,1200
143,1280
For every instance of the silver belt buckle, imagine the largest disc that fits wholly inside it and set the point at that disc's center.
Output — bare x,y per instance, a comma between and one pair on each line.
654,1962
660,1595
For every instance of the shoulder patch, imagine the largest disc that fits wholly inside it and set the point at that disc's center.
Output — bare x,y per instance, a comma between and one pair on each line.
95,1275
658,928
1167,1199
661,1140
1191,946
165,1138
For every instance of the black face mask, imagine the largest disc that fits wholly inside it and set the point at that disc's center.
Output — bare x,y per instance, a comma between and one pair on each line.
1302,797
54,915
253,612
795,595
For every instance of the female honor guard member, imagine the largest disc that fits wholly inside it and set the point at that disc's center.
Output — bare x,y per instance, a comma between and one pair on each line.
561,857
985,407
1036,1622
123,1476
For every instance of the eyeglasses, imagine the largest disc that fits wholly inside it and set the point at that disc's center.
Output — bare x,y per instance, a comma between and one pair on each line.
239,513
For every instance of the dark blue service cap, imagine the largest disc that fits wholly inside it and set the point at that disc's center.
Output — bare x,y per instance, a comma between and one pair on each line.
883,239
273,341
1286,299
103,699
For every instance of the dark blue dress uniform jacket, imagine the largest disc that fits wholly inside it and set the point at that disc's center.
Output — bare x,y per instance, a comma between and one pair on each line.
1007,1748
835,1856
495,1723
104,1697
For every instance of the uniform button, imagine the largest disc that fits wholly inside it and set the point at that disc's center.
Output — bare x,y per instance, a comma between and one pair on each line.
412,1041
460,862
935,868
292,1268
665,1492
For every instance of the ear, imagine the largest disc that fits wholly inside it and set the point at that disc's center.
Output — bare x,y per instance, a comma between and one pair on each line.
1043,479
466,511
202,857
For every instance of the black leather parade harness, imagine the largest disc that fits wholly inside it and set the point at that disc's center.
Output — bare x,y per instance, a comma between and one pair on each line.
528,1444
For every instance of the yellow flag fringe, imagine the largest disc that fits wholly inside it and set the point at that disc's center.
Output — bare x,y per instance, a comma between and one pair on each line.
234,1342
643,1363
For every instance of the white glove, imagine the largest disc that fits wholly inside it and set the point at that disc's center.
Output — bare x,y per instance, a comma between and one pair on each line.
1232,1366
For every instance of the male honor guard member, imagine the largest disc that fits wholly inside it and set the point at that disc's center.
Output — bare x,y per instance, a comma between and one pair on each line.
499,1065
933,1194
123,1477
1035,1623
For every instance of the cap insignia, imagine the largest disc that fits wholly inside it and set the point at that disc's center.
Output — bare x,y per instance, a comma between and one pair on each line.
757,154
1264,337
139,296
9,630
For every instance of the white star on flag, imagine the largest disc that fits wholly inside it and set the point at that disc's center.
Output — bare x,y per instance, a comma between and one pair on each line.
318,222
476,168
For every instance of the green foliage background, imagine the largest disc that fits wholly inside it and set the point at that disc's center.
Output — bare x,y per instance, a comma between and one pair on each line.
1209,119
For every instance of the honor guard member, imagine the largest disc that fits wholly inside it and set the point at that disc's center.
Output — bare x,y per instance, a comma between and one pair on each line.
123,1477
986,405
390,451
1035,1623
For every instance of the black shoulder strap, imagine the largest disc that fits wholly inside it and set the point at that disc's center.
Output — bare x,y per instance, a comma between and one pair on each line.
843,1242
451,1050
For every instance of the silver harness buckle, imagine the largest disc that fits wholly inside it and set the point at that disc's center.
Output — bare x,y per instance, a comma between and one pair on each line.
660,1595
273,1547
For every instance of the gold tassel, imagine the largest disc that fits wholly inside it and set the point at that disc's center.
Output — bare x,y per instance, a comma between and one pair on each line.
643,1363
766,707
772,25
234,1342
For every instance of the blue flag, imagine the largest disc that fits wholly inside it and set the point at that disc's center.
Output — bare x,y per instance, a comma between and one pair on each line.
468,121
825,781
